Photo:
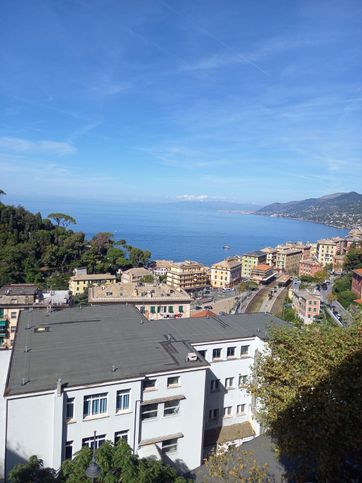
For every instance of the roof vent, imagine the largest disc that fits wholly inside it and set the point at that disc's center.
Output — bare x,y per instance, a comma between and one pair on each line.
27,349
24,381
114,368
191,357
41,329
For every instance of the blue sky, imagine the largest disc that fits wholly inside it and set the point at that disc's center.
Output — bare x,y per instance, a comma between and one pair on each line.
180,99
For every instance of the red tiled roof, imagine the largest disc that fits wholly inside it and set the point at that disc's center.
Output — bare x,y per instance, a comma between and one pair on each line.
203,313
358,270
262,266
358,301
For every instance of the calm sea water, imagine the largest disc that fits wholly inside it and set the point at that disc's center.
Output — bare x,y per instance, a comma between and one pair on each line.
179,233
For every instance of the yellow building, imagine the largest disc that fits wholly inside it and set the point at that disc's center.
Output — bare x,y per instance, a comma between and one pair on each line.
288,260
251,260
79,283
226,273
327,249
188,275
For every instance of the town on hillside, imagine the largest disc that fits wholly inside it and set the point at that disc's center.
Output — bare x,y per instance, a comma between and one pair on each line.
131,355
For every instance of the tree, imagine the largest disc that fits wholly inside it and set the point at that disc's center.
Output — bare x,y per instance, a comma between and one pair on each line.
309,386
62,219
353,258
321,276
32,472
236,465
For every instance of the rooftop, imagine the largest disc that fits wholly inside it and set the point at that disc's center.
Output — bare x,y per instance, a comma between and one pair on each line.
358,271
140,271
228,263
80,345
136,292
18,289
257,253
263,267
94,276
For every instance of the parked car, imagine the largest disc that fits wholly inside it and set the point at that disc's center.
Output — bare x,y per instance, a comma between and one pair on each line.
208,307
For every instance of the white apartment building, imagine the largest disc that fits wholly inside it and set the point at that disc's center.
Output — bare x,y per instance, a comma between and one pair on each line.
327,249
170,388
226,273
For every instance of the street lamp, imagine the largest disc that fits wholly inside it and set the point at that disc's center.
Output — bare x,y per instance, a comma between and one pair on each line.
93,470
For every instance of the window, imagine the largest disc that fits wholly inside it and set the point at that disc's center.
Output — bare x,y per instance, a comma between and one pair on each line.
229,382
215,385
202,354
169,446
227,412
173,381
244,350
170,309
68,450
13,315
231,352
153,309
121,435
69,408
171,408
99,440
95,404
123,400
243,380
240,409
149,411
181,309
213,414
13,328
149,384
216,354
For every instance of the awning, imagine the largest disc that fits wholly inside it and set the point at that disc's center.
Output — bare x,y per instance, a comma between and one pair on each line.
146,442
222,434
163,399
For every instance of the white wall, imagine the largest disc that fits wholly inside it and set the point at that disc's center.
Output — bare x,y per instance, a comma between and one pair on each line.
189,420
226,368
4,365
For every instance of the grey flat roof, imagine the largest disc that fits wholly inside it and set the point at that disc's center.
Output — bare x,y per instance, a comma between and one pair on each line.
18,289
257,253
82,344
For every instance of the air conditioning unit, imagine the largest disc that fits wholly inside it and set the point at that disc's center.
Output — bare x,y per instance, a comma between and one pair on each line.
192,357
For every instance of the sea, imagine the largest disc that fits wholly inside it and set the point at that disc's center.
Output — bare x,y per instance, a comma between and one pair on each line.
188,232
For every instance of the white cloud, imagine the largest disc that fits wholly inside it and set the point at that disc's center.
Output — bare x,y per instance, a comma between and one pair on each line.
193,197
25,146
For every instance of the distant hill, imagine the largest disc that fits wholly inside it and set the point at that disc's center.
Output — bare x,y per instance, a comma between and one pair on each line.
342,210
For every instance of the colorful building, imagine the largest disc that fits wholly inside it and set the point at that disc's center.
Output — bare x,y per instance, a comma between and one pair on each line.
251,260
188,275
309,267
306,305
226,273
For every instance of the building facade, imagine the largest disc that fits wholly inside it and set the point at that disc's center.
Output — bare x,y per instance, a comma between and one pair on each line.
262,274
227,273
78,284
250,260
170,390
288,260
155,302
309,267
306,305
134,275
357,282
188,275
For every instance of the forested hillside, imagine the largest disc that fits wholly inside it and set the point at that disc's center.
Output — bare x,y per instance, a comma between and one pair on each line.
35,249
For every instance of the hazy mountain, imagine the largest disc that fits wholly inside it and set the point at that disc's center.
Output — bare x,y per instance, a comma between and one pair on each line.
343,210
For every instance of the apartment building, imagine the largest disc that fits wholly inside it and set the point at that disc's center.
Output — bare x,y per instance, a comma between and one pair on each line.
306,305
226,273
168,389
161,267
250,260
309,267
188,275
79,283
271,255
136,274
155,302
357,282
338,263
288,260
328,248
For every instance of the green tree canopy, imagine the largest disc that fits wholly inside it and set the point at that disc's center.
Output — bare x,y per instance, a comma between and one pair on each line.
32,472
310,387
62,219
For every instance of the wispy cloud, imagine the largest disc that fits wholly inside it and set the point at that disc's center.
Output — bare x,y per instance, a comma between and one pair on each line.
25,146
193,198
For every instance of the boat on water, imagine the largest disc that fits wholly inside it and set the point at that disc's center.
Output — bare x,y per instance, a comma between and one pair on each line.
226,247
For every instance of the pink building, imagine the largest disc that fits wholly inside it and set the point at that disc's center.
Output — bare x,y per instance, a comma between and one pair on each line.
306,305
309,267
357,282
